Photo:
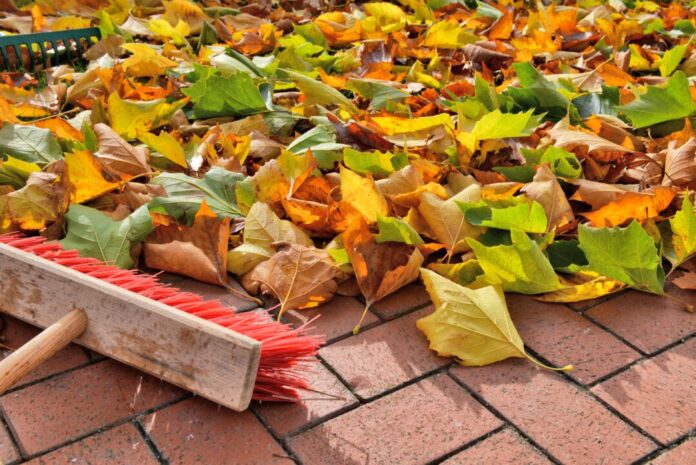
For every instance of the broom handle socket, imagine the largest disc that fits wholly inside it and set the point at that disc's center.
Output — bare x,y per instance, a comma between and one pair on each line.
42,347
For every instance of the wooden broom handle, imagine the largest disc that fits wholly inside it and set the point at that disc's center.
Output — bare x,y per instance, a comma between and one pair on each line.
42,347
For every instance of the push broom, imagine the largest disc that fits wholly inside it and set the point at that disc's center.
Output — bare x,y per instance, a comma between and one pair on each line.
197,344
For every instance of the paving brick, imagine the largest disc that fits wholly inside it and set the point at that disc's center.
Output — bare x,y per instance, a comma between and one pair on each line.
199,432
231,298
683,454
649,322
70,405
566,422
16,333
8,453
118,446
563,336
408,297
331,396
503,448
335,319
414,425
658,394
381,358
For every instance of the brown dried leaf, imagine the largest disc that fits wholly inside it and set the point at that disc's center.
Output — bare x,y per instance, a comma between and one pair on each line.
680,164
379,268
546,190
298,276
198,251
118,155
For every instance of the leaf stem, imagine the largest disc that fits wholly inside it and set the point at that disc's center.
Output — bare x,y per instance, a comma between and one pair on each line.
543,365
356,330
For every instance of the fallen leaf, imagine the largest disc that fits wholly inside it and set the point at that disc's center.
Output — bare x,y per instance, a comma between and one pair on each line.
96,235
380,268
198,251
582,286
118,155
89,177
546,190
626,254
680,164
361,193
298,276
686,281
472,325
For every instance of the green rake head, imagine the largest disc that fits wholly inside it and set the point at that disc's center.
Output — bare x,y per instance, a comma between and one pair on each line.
27,51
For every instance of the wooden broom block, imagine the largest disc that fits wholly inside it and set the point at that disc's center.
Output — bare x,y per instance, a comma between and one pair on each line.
192,353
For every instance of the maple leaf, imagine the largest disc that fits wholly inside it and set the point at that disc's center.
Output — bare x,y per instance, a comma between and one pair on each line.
472,325
298,276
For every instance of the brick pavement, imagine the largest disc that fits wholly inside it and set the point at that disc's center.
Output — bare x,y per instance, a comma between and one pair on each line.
383,398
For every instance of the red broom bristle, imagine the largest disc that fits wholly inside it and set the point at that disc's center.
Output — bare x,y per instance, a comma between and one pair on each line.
285,351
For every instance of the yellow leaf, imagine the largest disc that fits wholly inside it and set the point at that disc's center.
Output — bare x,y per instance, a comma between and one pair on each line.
61,128
446,220
145,61
448,35
38,203
127,117
177,33
362,194
64,23
582,286
472,325
394,125
165,144
27,110
6,112
88,177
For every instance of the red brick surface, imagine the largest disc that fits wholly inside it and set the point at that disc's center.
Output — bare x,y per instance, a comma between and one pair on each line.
328,397
503,448
401,301
17,333
415,425
563,336
649,322
659,394
8,453
571,425
120,445
198,432
335,320
384,398
683,454
380,359
78,402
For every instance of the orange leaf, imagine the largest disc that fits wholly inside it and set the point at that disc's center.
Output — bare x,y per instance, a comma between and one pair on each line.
60,128
632,205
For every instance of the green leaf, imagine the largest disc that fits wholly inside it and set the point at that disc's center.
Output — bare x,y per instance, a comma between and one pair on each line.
521,267
528,216
524,173
379,94
316,92
96,235
376,162
395,230
594,103
463,273
186,193
234,95
626,254
497,125
566,256
684,231
29,143
562,162
661,103
15,172
671,59
539,94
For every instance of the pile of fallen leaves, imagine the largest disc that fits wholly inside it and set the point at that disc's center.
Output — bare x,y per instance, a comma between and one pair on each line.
316,149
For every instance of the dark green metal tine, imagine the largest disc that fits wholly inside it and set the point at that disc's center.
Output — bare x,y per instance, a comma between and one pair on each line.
5,59
44,54
30,52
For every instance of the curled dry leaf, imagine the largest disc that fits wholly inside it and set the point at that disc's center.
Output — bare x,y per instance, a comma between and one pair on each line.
379,268
118,155
680,164
570,138
298,276
198,251
545,189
